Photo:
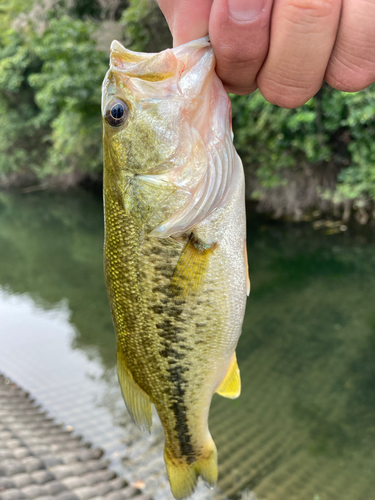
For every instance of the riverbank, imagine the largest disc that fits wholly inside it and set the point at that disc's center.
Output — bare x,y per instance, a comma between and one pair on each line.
301,197
40,458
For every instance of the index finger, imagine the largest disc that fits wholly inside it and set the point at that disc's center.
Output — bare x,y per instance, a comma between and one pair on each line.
187,19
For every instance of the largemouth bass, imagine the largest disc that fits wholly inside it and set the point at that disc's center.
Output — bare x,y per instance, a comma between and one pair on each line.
175,252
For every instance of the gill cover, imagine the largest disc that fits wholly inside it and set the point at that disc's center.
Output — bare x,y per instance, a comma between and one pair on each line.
177,138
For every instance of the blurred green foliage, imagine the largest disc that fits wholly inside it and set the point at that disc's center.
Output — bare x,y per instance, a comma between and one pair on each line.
50,81
54,54
333,127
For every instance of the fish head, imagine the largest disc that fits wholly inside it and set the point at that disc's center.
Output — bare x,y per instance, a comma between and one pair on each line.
145,111
161,114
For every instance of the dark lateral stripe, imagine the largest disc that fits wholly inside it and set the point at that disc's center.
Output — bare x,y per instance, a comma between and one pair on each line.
171,329
180,413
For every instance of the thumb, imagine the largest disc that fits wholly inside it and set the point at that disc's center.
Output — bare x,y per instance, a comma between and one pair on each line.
187,19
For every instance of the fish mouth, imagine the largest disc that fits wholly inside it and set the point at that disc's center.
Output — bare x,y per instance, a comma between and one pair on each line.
149,67
159,66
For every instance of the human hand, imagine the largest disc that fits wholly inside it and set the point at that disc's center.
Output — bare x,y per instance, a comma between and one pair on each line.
284,47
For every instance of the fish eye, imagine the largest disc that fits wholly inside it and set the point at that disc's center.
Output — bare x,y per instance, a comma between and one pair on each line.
116,112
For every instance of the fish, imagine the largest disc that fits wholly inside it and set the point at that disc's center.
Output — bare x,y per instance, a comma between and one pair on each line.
175,246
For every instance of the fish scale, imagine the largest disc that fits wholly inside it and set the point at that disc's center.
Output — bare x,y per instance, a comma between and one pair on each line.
168,321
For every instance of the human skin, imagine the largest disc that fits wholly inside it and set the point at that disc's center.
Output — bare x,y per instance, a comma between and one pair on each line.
286,48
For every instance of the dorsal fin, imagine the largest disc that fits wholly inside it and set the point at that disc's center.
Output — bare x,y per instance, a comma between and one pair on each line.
248,285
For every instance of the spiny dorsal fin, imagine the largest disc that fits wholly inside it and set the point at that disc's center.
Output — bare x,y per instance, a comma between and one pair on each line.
230,387
137,401
192,266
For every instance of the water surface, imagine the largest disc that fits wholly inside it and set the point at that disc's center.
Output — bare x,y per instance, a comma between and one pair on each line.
304,426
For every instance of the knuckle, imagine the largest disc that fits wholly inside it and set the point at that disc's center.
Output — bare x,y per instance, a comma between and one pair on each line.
240,89
349,81
350,75
311,8
229,54
237,69
284,101
285,96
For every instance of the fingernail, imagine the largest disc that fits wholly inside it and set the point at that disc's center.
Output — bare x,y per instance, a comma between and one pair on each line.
245,10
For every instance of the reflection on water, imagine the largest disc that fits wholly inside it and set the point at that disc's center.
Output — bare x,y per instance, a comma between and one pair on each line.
304,426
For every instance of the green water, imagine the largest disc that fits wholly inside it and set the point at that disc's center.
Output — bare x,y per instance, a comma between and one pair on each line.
304,426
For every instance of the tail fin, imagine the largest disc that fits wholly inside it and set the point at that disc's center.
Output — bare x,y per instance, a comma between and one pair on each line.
183,476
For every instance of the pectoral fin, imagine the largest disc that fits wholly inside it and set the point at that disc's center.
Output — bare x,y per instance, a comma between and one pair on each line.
230,387
192,266
137,401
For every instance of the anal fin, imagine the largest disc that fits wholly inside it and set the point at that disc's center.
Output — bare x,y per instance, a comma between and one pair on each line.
230,387
137,401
